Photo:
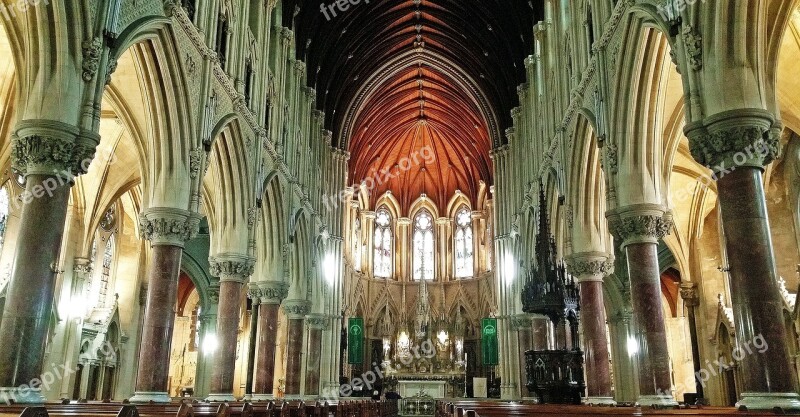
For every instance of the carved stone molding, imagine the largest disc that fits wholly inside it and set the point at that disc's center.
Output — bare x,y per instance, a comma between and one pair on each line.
82,266
590,266
231,267
296,309
732,139
273,292
168,226
641,223
92,51
694,47
52,148
318,322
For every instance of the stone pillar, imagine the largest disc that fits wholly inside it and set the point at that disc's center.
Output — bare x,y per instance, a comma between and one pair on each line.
167,229
49,154
233,271
316,324
639,228
524,327
590,268
625,374
737,145
272,293
540,327
691,301
205,360
296,311
254,294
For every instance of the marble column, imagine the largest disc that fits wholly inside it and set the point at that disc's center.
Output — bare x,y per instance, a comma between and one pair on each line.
233,270
688,292
590,268
167,229
524,327
272,293
540,327
296,311
639,228
737,145
316,324
49,154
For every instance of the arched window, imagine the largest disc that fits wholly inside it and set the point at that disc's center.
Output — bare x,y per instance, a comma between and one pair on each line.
423,246
356,244
463,244
383,244
105,273
5,204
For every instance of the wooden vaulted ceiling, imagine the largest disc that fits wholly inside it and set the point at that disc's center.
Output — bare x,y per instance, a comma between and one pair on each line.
403,82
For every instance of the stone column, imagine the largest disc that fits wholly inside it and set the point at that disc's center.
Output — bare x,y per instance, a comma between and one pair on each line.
737,145
233,271
272,293
49,154
316,324
590,268
625,374
205,361
524,327
690,300
254,294
639,228
296,311
167,229
540,327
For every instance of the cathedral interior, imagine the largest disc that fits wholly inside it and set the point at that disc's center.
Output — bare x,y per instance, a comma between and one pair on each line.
399,207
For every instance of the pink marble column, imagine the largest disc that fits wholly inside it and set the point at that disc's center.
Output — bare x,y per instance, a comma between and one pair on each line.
590,269
296,311
639,228
272,293
233,271
167,230
736,145
316,324
46,153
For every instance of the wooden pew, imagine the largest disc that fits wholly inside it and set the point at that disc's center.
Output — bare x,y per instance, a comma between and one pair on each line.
23,412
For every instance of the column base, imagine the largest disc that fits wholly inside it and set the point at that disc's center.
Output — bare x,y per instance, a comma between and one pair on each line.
657,401
262,397
145,397
607,401
509,392
220,398
769,401
20,396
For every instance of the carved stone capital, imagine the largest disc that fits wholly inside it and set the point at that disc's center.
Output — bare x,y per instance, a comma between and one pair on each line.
52,148
168,226
689,295
231,267
82,267
318,322
590,266
296,309
213,295
273,292
734,139
254,294
641,223
521,322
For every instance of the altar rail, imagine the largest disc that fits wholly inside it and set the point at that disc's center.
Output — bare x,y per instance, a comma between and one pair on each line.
506,409
185,409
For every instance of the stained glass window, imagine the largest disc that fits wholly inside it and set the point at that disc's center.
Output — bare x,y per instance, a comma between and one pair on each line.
423,246
383,244
357,245
105,273
5,204
463,244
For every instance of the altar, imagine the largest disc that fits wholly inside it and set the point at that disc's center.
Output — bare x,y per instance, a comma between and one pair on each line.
434,389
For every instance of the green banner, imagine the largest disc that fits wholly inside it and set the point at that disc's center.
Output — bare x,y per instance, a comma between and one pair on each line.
355,341
489,342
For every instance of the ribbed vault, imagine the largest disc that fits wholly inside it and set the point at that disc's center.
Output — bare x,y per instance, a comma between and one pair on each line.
400,81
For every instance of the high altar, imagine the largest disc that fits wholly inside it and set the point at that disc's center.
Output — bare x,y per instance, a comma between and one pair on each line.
428,360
